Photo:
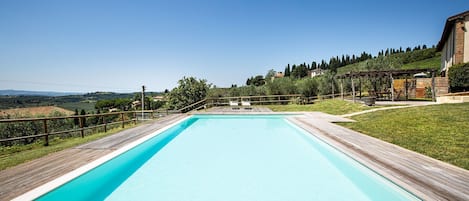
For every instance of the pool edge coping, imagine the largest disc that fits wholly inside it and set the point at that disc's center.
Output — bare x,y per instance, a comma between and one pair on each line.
393,174
55,183
424,186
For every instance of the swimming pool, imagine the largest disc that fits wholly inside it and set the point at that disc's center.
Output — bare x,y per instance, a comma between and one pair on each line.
231,157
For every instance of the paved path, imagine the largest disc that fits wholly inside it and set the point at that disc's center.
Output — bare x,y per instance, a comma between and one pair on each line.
398,105
27,176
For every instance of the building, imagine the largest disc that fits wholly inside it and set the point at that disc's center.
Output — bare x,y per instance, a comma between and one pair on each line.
277,75
316,72
454,42
158,98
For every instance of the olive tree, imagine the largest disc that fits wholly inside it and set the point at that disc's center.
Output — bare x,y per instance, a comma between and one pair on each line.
188,91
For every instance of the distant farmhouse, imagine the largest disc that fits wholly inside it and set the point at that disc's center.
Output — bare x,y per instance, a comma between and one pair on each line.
316,72
454,42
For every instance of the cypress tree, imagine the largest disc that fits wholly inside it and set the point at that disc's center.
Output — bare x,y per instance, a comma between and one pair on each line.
287,71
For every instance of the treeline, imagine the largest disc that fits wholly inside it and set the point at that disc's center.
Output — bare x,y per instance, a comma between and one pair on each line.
126,104
8,102
298,71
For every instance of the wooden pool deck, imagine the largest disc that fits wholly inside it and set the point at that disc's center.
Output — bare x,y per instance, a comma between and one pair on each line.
428,178
27,176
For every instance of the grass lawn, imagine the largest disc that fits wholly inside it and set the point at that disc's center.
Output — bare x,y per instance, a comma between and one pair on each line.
433,63
336,107
17,154
438,131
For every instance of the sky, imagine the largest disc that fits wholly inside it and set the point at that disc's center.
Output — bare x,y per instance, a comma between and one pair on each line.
120,45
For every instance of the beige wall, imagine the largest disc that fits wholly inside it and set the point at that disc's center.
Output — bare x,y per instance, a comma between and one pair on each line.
447,53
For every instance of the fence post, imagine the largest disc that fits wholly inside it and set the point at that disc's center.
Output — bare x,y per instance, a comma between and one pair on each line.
135,118
123,121
82,131
47,133
105,124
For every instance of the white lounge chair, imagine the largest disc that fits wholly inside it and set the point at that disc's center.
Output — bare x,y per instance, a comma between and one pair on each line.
234,105
246,104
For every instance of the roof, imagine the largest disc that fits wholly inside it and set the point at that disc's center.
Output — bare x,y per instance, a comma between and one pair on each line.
448,26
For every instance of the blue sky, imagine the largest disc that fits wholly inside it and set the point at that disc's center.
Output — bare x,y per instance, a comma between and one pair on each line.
116,45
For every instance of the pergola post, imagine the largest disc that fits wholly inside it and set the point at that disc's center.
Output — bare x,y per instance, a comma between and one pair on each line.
433,87
406,89
360,86
392,87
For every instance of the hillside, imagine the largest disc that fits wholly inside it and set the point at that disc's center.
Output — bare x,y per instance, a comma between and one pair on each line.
33,112
70,102
10,92
420,59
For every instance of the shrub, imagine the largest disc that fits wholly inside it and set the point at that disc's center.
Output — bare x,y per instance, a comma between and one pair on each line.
459,77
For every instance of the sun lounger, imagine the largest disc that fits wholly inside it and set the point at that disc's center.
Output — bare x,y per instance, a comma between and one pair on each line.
234,105
246,105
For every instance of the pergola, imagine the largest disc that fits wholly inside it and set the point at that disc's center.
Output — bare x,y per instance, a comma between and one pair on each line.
392,74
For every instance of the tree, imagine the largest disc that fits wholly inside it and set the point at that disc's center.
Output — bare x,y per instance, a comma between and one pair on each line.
188,91
299,72
281,86
76,122
308,87
270,74
324,83
287,71
258,81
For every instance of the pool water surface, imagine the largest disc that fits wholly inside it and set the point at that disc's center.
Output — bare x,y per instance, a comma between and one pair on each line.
235,157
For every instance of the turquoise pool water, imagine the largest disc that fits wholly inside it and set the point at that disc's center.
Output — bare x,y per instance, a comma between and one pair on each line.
215,157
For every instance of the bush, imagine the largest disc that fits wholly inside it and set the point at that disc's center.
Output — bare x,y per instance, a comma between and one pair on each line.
459,77
282,86
308,87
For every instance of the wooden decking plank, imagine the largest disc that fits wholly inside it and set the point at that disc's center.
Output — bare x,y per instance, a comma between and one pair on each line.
432,178
27,176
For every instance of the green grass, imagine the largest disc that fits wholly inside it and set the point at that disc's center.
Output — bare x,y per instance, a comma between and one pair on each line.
17,154
87,106
438,131
336,107
433,63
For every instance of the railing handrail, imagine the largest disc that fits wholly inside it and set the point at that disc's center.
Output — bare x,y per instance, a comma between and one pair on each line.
46,131
265,96
193,104
80,116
